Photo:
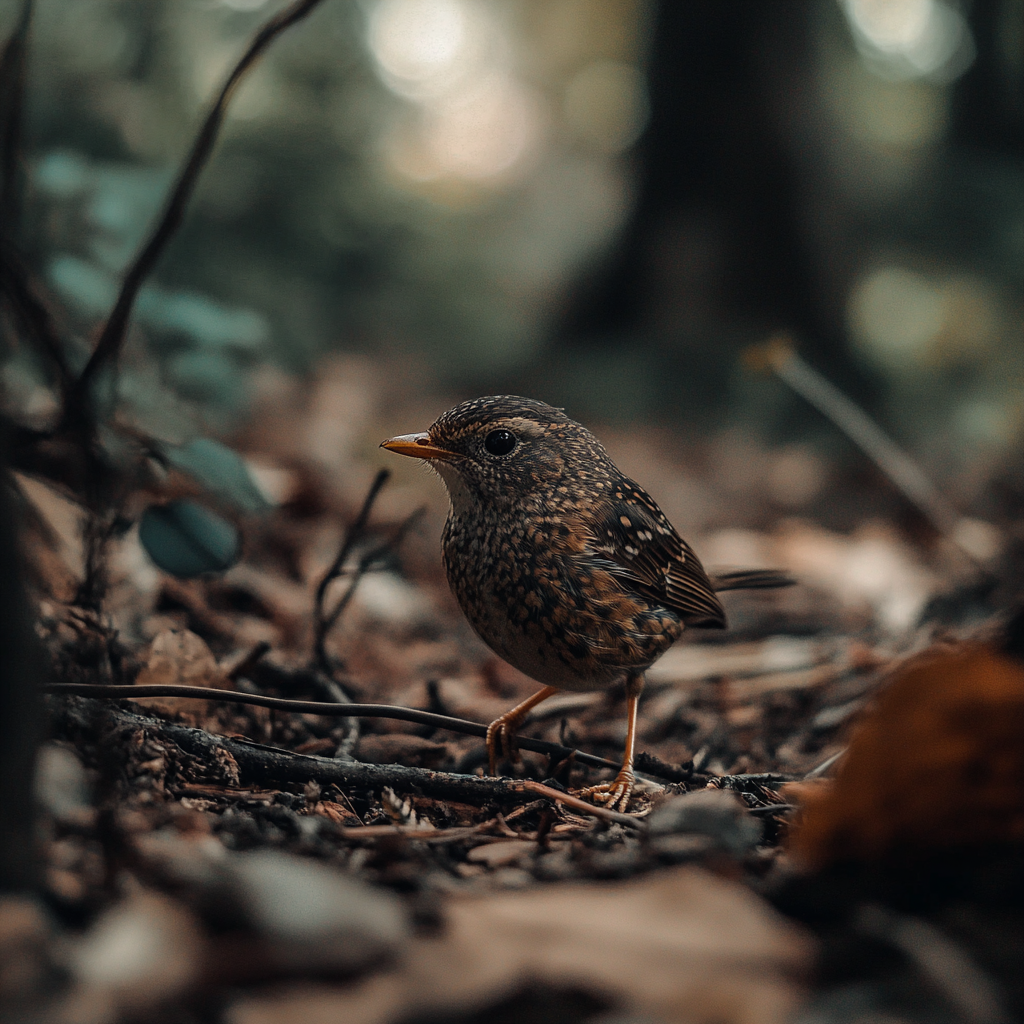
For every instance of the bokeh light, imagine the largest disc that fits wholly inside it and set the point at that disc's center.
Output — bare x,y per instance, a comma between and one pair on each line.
606,105
904,39
473,118
486,130
427,47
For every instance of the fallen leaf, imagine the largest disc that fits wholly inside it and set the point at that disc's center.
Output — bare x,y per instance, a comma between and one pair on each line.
681,945
178,657
937,763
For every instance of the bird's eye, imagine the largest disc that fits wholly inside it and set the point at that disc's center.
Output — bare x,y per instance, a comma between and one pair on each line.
500,442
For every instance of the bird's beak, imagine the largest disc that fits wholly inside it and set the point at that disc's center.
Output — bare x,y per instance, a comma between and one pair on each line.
418,446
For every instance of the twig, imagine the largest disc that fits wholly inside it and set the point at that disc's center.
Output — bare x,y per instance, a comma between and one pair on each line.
651,764
818,770
579,805
771,809
367,562
27,308
309,707
112,335
12,97
322,621
260,764
249,660
781,357
31,313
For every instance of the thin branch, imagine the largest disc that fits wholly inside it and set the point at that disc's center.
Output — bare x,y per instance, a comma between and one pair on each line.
944,962
579,805
260,764
111,339
31,313
310,707
651,764
322,622
249,660
818,770
27,308
769,809
781,357
367,563
12,99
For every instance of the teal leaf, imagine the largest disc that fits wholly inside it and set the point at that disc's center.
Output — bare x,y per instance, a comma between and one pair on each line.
220,470
212,378
186,539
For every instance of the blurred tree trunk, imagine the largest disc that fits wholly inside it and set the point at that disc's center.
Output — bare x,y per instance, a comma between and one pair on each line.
20,673
715,254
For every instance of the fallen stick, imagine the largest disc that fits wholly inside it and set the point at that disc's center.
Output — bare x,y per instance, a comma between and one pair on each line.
311,707
258,764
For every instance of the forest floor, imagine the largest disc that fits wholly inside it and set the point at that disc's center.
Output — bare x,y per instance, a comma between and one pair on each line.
222,862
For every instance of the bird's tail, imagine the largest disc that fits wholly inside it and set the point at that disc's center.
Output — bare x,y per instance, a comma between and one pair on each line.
751,579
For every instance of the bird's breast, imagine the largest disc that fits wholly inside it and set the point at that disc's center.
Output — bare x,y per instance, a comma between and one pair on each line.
534,596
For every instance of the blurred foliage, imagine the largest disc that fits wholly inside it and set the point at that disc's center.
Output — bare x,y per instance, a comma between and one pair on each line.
468,188
304,235
186,539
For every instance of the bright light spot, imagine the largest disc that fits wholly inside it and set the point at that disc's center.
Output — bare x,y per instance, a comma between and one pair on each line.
606,104
983,420
483,132
981,539
426,47
904,115
895,26
902,319
901,39
244,5
896,316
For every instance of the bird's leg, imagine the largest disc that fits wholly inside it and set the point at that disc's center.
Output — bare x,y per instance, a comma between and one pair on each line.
616,793
503,730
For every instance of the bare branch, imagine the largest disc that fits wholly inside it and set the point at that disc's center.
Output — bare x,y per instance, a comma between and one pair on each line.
30,313
112,336
310,707
262,764
322,622
779,354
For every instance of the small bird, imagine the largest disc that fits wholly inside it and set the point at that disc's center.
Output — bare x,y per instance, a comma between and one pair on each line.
565,567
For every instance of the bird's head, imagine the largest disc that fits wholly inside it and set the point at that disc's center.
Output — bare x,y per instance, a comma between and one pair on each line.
502,449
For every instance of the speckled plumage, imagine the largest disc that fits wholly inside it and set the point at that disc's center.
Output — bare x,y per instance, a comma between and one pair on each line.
563,565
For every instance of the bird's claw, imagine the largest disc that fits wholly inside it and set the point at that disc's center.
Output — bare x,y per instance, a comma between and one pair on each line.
501,733
615,794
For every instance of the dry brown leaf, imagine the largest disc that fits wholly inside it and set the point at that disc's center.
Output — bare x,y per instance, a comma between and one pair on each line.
937,763
178,657
682,945
338,813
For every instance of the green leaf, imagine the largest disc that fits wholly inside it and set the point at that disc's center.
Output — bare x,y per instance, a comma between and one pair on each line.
186,539
220,470
212,378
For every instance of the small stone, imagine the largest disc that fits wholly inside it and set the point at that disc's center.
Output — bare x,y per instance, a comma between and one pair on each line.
710,812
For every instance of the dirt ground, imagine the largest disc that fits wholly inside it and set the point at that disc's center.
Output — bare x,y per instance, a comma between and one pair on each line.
210,861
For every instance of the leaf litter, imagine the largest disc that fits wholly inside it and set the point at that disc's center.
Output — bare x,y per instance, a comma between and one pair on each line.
302,895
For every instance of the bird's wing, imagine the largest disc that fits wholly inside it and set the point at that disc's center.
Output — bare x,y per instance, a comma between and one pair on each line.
636,543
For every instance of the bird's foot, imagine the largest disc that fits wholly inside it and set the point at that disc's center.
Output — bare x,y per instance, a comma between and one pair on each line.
615,794
501,733
501,737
